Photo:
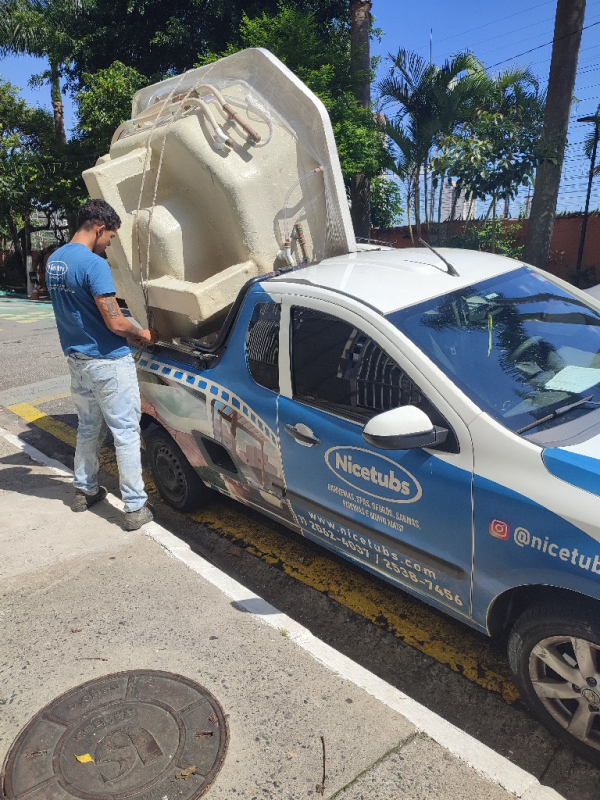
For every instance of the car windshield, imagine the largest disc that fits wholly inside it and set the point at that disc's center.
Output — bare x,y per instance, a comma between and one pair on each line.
519,346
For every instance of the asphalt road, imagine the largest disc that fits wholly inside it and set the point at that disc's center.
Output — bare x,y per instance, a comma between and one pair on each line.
441,663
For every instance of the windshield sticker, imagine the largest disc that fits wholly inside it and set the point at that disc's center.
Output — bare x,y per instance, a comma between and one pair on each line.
537,276
373,475
574,379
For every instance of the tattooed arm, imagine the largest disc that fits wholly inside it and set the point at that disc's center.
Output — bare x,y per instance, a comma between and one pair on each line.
119,324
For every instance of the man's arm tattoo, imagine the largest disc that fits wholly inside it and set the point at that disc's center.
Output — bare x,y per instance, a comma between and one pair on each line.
111,307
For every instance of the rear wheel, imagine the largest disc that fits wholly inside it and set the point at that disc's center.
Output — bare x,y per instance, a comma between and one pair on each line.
176,480
554,651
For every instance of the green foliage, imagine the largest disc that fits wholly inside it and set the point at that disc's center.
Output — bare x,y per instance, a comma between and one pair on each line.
495,152
319,54
386,202
25,133
157,38
105,103
493,236
36,173
428,103
458,121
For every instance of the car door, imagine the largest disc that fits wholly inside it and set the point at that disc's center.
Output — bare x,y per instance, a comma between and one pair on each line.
404,514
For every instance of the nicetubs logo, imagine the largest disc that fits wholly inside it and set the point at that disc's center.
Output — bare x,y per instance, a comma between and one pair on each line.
372,474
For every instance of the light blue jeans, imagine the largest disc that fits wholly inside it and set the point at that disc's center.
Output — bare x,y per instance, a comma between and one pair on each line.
106,393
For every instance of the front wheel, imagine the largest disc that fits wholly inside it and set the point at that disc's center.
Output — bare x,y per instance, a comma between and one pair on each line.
176,480
554,651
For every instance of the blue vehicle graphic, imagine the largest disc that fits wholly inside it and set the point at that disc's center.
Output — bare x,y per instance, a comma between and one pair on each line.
450,444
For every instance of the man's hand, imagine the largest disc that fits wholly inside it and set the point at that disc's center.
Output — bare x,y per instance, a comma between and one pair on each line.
144,336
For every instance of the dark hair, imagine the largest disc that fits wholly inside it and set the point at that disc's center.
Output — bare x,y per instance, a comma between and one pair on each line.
98,212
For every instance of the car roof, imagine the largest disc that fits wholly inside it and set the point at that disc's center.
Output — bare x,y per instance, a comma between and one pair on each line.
389,280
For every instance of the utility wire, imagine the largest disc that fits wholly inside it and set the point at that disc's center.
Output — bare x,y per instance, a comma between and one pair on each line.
493,22
546,44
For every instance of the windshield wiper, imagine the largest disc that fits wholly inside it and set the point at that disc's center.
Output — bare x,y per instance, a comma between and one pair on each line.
558,412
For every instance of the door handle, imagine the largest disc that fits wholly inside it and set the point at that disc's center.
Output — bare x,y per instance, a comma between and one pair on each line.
304,437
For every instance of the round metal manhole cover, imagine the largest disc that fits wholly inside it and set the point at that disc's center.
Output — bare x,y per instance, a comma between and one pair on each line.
139,735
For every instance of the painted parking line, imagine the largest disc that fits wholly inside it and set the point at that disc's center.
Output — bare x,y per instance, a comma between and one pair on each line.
26,314
448,642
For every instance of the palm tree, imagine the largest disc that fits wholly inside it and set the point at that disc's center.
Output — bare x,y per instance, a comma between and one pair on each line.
39,28
429,102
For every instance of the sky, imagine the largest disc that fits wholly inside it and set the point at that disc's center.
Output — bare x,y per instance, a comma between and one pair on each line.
503,35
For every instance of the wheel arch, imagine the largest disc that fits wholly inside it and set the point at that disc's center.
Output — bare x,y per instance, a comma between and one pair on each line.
507,607
147,421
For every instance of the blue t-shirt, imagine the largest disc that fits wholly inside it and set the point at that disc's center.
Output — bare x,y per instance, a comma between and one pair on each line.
74,276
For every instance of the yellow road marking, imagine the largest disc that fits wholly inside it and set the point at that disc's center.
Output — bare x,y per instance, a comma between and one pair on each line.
448,642
62,432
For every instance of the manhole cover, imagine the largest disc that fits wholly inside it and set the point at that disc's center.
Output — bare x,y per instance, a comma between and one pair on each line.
140,735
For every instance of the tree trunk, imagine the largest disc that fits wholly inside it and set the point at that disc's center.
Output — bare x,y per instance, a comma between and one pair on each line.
455,194
71,218
14,235
408,210
417,194
360,209
57,106
426,197
439,216
563,70
360,187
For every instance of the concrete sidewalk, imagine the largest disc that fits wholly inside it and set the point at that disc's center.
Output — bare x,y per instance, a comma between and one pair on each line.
82,599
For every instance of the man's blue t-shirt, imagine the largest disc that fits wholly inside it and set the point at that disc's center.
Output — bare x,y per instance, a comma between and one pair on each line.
74,276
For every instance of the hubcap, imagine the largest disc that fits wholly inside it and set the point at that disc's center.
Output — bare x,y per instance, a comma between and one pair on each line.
563,673
170,473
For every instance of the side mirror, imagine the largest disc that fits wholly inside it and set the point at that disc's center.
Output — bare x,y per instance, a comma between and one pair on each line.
403,428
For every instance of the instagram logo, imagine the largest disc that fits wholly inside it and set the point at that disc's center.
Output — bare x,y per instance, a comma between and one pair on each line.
499,529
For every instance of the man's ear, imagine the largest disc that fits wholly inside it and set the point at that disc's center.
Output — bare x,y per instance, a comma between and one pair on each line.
99,230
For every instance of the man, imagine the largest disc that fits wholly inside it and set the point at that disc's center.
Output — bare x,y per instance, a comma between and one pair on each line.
94,336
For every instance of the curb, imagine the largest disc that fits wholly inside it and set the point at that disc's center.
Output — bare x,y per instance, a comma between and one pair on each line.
481,758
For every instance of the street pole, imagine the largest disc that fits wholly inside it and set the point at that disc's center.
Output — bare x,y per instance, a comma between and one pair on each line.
596,122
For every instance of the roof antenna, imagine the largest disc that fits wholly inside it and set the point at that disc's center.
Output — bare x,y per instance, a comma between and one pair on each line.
451,270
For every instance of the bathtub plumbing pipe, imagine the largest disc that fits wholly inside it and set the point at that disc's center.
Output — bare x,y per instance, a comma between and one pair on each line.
301,239
231,113
286,253
249,106
299,182
221,139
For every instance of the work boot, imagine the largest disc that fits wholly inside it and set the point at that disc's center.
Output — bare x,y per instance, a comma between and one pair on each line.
135,519
83,501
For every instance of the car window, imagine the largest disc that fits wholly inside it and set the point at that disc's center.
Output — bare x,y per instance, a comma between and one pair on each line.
262,345
336,364
524,349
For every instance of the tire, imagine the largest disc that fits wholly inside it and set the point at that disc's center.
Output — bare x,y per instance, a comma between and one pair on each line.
554,651
176,480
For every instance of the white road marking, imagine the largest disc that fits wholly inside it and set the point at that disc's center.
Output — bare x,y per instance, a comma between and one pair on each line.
475,754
